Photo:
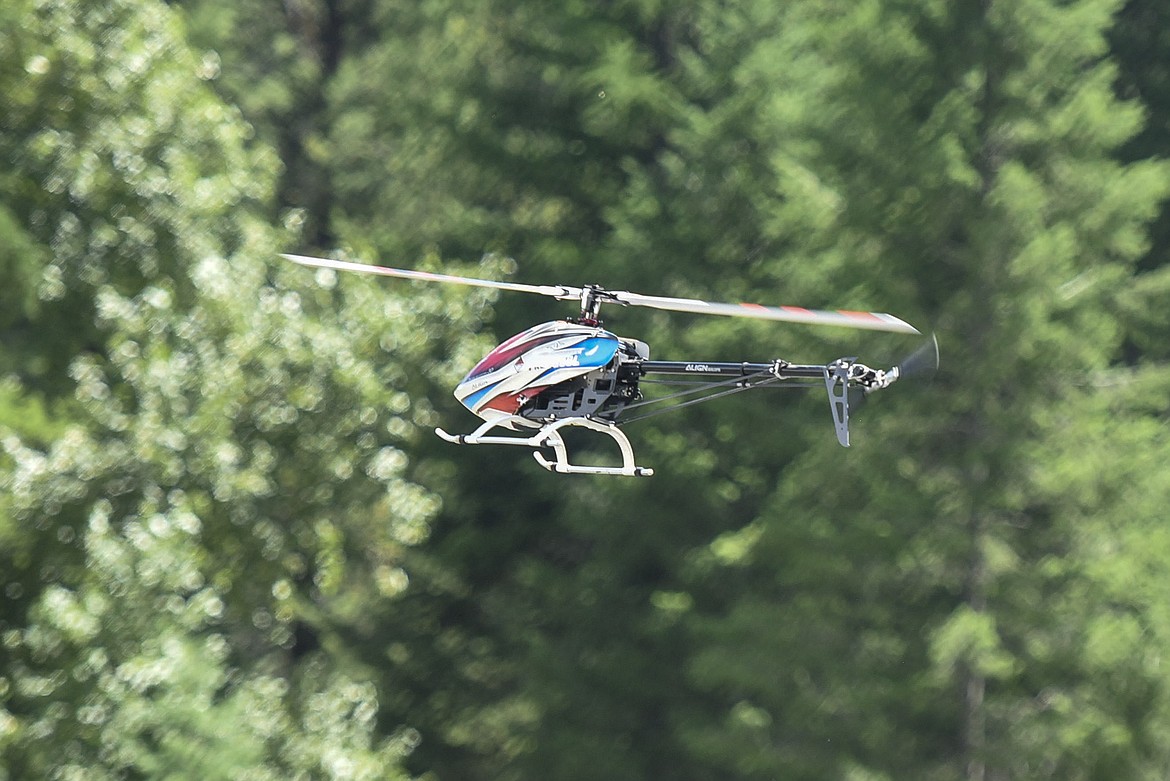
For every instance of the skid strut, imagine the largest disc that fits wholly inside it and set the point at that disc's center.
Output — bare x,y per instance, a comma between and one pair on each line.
549,435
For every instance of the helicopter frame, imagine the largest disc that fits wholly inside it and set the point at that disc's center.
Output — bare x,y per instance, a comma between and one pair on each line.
712,379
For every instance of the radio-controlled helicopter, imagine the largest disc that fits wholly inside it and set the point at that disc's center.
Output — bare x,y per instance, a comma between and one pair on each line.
575,373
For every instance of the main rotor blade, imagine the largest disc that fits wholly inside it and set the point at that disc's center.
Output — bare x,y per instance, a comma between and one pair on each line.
873,321
557,291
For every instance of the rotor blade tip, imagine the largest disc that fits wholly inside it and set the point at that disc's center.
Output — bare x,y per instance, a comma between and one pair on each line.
302,259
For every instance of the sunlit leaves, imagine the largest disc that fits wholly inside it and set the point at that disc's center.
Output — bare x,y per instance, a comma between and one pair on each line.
236,458
1020,230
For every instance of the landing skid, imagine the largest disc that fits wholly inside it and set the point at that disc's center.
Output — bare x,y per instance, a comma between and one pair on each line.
549,435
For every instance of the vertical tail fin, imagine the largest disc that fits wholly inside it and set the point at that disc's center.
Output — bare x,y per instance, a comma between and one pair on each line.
837,383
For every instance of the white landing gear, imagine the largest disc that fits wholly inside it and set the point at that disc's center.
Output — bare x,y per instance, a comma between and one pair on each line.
549,435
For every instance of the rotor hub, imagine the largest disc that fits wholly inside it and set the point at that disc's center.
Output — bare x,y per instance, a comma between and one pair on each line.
592,297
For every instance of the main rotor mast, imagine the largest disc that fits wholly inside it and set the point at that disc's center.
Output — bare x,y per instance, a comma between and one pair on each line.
592,297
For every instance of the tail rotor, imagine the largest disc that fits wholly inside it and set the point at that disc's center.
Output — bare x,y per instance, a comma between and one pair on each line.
849,388
922,363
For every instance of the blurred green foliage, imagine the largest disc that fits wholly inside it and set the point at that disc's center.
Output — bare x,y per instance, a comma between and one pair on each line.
231,549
